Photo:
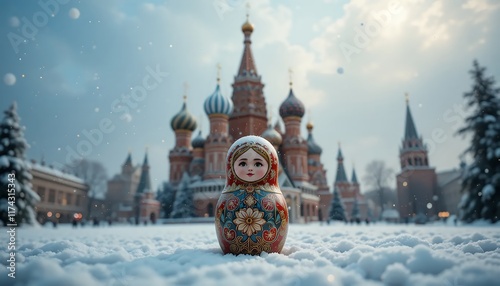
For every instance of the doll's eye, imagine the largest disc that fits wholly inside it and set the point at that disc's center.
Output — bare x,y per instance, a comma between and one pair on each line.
242,164
258,164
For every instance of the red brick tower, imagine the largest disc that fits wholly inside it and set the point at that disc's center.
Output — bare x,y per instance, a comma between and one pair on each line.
249,114
183,124
417,181
218,108
294,147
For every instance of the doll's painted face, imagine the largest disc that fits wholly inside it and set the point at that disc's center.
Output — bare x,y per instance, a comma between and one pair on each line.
250,166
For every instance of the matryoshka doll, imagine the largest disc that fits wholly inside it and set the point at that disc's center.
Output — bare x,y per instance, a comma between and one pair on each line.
251,215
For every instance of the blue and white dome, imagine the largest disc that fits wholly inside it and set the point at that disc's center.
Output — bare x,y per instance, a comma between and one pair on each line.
218,104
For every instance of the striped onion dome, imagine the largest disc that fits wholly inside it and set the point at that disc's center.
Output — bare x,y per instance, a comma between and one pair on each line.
292,106
218,104
198,141
273,136
183,120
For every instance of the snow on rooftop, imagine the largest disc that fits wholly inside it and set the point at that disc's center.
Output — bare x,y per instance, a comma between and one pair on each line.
189,254
55,172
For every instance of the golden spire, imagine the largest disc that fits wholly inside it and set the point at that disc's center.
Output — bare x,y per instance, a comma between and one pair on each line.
407,98
309,125
290,74
247,27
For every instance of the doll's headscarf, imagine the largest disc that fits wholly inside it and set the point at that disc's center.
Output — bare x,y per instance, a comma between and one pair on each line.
262,147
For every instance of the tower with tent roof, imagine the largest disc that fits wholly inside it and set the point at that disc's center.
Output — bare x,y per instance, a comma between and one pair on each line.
417,191
146,207
349,190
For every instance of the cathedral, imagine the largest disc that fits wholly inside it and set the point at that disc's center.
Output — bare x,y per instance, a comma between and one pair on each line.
302,177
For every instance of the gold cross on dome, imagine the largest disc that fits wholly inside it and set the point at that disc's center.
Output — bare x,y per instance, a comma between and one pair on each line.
407,97
290,74
248,9
218,72
186,89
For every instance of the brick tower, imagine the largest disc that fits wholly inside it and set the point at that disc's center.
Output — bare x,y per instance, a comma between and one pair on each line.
417,181
249,116
183,124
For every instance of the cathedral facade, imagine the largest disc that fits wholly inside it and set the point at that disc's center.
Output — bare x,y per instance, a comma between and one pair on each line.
302,177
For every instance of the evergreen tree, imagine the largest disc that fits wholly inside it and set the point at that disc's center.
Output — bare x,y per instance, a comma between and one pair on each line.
336,208
481,181
16,195
183,205
166,197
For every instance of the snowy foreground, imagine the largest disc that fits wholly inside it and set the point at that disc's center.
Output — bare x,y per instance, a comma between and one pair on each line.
313,255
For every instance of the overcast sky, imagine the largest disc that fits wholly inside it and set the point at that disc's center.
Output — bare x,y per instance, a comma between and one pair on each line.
120,67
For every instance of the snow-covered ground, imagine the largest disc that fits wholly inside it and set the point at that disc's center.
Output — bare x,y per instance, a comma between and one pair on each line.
189,254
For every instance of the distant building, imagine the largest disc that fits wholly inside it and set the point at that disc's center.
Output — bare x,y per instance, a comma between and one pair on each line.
417,188
146,207
63,197
130,197
354,202
450,189
121,191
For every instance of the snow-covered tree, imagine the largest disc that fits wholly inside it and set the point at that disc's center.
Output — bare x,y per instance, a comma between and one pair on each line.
17,199
378,177
183,205
481,182
166,197
336,208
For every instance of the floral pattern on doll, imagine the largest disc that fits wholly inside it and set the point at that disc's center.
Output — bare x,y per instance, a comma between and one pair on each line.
251,214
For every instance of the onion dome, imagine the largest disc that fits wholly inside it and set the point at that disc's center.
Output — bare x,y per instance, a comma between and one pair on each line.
271,135
312,147
247,26
292,106
183,120
198,141
218,104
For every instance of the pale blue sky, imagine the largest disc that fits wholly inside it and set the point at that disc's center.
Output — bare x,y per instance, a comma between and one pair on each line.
77,69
